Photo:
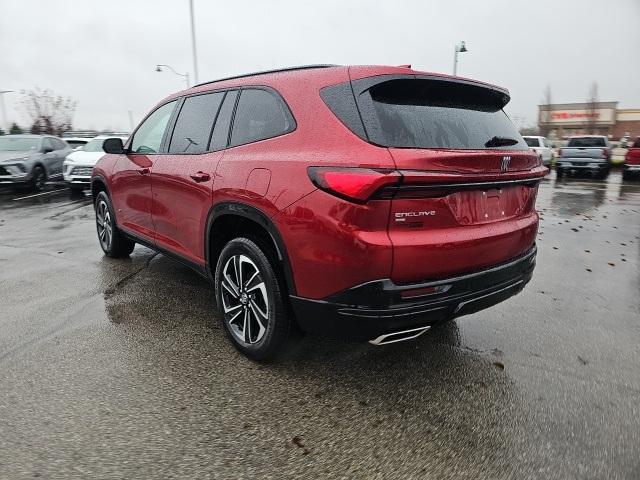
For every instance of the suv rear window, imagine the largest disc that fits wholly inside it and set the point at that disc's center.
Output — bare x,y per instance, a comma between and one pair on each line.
586,142
429,113
532,142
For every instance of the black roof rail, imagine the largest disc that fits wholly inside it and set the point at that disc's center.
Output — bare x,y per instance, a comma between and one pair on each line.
265,72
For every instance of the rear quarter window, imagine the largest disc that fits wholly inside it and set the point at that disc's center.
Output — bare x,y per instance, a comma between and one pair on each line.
260,114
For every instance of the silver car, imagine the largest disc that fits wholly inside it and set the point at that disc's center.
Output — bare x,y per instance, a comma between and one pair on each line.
31,159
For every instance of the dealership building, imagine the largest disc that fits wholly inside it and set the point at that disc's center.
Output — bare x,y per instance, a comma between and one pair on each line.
561,120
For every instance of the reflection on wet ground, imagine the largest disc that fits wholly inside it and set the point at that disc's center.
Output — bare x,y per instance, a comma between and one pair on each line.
120,368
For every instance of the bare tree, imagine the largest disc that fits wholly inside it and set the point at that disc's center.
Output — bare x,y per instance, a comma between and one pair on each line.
592,108
50,113
545,112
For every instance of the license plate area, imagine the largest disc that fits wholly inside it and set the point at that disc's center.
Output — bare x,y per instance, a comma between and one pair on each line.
490,205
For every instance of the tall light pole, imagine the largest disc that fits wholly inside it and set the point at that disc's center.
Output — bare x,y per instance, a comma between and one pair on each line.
130,121
459,49
4,110
185,75
193,43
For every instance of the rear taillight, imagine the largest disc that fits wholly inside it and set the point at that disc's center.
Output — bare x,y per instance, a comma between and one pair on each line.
357,185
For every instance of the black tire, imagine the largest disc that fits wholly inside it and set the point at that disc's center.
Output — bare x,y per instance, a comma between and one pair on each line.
38,178
559,172
112,241
77,188
249,300
604,173
626,175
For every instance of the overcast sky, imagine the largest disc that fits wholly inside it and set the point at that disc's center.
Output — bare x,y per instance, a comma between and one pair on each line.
103,53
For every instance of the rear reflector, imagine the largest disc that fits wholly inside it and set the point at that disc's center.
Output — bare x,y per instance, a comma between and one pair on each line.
354,184
421,292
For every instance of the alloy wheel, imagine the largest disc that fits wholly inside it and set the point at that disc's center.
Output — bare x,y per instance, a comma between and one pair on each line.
105,225
244,299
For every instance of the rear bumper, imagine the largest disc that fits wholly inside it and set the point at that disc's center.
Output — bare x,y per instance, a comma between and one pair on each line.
582,164
375,308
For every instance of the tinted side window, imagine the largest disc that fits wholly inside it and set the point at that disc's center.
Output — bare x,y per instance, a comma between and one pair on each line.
260,114
47,144
59,144
148,137
195,121
221,130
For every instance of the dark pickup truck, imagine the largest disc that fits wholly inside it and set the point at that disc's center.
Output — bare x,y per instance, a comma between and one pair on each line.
586,153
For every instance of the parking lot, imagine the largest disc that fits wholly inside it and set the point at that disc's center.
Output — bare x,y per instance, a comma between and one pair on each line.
120,368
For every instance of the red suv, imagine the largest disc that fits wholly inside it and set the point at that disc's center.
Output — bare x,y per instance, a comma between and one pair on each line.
366,202
631,165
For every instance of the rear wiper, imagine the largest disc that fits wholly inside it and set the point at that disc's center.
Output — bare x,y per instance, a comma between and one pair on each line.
500,142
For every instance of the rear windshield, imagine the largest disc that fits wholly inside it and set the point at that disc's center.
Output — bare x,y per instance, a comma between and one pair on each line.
425,113
532,142
587,142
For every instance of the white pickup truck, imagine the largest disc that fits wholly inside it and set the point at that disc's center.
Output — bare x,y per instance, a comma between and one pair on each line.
542,147
590,153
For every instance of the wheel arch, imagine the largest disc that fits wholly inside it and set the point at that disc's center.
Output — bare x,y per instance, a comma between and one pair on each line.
98,184
243,218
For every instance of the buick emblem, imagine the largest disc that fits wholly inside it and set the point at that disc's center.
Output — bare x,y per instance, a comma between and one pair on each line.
505,163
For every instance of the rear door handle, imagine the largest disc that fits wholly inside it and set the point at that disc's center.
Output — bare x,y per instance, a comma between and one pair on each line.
144,171
200,177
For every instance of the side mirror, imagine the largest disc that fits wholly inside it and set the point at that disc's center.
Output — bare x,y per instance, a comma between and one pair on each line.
47,150
113,145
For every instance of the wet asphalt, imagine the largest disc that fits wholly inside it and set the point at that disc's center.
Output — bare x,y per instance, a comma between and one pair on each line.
120,368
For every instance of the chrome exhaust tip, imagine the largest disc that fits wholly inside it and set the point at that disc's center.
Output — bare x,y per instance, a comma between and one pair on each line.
399,336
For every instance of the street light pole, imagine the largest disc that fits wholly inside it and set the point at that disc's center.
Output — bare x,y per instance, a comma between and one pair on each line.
185,75
459,49
4,110
193,43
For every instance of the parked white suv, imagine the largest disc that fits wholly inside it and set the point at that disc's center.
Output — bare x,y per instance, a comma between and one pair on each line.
78,165
542,147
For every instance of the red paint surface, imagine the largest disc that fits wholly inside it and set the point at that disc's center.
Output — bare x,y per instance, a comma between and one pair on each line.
333,244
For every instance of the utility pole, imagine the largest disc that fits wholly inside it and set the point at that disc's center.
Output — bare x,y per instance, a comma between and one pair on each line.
193,43
459,49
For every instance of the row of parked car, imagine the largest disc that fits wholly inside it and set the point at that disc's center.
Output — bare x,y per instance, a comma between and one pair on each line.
32,160
586,153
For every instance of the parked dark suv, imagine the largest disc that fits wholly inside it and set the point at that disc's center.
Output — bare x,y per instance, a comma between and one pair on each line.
365,202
